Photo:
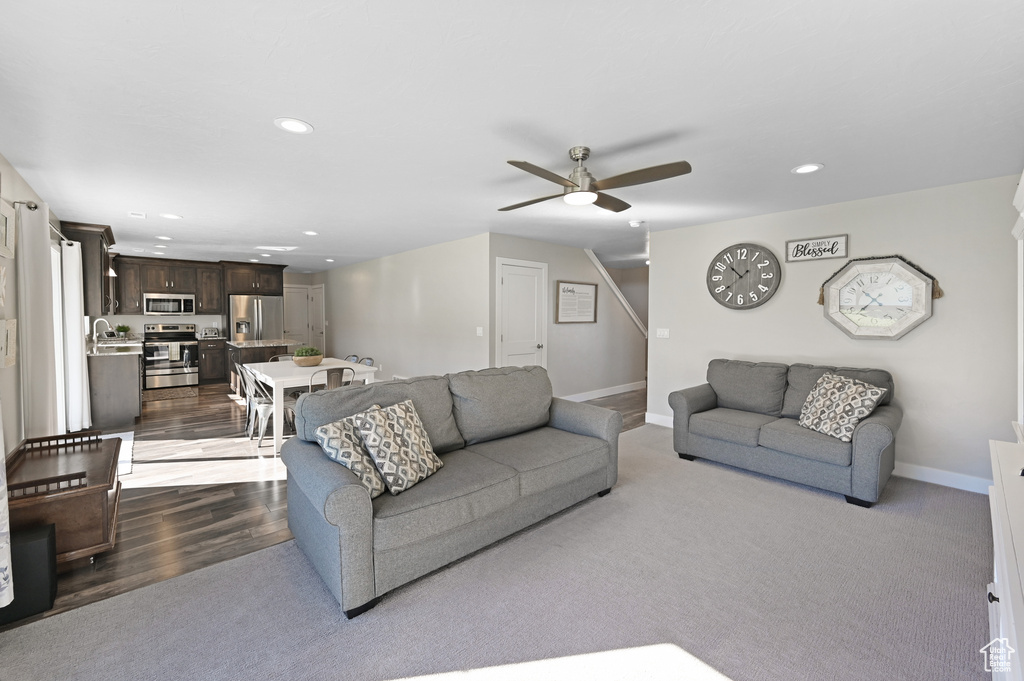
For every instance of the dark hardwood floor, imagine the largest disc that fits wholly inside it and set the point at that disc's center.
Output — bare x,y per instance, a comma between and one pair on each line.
164,532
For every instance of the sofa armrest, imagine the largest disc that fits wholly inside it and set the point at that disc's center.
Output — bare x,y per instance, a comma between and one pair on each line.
336,531
874,451
591,420
685,403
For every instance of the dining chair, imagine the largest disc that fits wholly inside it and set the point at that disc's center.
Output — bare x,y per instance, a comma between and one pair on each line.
335,378
352,358
262,405
278,358
368,361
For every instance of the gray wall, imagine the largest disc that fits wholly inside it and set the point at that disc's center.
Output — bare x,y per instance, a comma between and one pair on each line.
582,358
415,313
634,282
955,374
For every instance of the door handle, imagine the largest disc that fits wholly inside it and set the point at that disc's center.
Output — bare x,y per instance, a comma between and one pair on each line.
540,346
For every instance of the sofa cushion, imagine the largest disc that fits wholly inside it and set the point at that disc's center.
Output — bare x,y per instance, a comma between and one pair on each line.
343,444
468,488
731,425
430,394
494,403
787,435
399,445
546,457
802,378
748,386
836,405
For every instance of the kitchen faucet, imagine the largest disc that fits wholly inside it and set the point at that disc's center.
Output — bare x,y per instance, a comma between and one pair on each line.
95,337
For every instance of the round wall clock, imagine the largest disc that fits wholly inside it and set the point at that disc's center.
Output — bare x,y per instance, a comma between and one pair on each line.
878,299
744,276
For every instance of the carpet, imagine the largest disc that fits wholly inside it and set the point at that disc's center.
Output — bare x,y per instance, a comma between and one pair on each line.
156,394
756,578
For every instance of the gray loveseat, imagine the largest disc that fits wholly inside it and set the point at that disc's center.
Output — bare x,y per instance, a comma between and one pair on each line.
747,416
512,456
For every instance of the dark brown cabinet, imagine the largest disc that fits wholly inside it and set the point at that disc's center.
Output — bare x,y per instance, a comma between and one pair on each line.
128,294
209,290
97,284
265,280
168,278
212,361
248,356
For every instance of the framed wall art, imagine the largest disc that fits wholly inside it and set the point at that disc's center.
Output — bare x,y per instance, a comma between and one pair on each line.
817,248
577,303
7,231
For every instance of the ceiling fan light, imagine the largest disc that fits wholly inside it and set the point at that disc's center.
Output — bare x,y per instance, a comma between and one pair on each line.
580,198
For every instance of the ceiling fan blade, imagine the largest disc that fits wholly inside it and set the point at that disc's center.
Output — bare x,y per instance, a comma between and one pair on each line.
528,203
540,172
610,203
652,174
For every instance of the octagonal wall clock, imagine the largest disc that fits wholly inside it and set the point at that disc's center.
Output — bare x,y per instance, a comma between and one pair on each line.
878,299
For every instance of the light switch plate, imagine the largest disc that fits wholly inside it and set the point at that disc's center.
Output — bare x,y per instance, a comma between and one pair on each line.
662,333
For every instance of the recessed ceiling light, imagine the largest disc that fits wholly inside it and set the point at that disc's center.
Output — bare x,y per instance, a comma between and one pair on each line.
137,215
807,168
164,238
293,125
283,249
265,255
636,223
170,216
159,246
254,259
310,233
330,259
647,262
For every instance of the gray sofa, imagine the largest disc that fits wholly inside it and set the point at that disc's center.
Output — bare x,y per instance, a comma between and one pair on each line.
747,416
512,454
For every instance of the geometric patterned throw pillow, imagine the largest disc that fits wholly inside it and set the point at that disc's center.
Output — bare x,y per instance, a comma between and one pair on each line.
399,445
342,443
836,405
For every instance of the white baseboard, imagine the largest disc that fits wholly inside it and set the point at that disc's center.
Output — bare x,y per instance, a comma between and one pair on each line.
658,419
968,483
605,392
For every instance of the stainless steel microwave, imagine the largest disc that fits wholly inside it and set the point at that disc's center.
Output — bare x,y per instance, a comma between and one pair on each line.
168,303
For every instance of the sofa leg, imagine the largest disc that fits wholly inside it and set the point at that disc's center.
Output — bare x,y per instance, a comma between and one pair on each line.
857,502
687,457
349,614
604,492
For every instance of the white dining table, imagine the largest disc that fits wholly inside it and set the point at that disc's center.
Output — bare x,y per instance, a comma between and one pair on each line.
280,376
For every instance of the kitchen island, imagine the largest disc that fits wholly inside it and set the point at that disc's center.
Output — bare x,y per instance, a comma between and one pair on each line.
115,382
253,351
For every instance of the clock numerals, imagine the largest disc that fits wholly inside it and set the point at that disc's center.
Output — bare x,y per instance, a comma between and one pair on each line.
743,276
878,299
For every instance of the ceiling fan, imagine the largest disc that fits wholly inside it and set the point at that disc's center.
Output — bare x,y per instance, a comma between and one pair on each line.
582,188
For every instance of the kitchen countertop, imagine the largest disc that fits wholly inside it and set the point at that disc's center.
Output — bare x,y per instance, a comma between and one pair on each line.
262,343
114,348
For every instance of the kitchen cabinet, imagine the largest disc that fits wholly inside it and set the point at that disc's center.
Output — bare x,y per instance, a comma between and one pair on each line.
266,280
212,361
115,388
168,278
249,355
128,295
209,290
97,284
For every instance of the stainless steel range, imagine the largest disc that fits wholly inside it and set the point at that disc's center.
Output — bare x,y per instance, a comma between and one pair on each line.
171,354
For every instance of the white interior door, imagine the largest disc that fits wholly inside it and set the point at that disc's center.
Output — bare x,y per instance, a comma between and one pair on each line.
316,318
522,312
296,314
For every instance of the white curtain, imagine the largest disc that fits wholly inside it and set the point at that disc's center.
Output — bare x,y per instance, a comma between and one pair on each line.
76,380
36,360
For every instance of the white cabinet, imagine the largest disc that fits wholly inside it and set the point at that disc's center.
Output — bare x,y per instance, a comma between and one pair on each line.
1006,593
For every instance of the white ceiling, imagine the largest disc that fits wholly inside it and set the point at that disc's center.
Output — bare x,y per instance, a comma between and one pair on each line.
119,106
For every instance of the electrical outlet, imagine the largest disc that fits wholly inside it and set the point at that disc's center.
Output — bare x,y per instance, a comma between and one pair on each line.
662,333
480,331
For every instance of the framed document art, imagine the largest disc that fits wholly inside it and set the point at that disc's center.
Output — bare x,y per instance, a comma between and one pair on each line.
576,304
6,229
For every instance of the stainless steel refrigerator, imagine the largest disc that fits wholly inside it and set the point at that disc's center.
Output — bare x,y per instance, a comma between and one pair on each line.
256,318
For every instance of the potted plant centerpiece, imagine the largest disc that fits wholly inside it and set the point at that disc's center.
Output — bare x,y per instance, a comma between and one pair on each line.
122,330
307,356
